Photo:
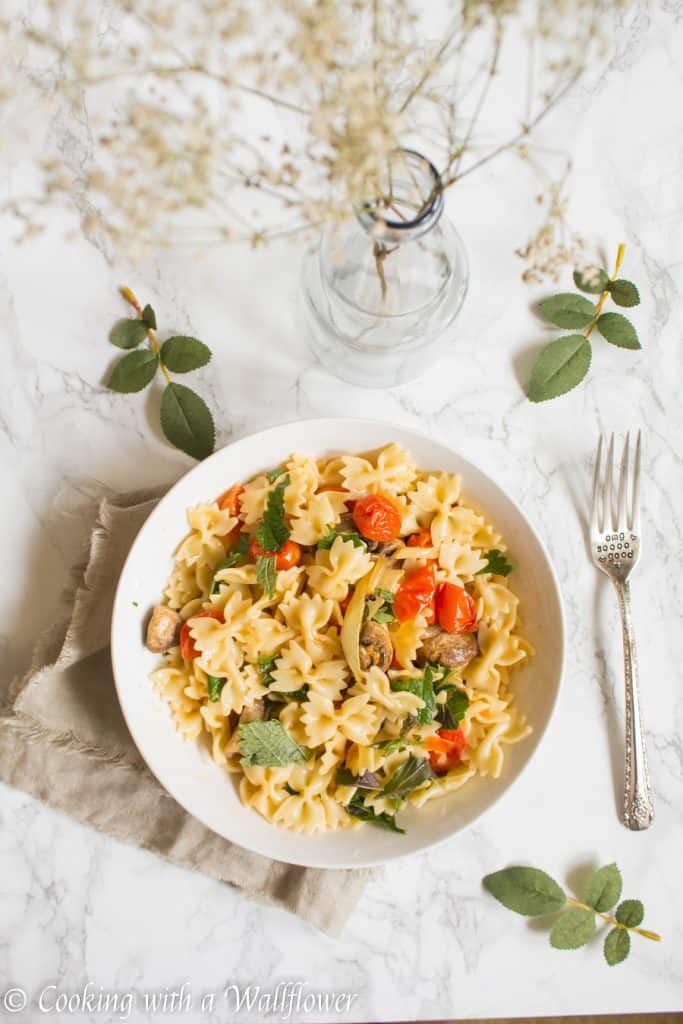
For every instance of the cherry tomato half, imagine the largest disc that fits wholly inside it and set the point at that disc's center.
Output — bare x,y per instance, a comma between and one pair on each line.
289,554
377,517
423,539
445,749
415,593
187,647
456,611
230,501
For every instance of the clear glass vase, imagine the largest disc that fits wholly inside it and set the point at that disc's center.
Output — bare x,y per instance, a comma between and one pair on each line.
383,289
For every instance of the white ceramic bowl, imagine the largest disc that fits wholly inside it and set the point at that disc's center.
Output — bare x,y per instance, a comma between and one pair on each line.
187,771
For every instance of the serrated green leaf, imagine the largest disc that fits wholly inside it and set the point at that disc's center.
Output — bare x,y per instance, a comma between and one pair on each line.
133,372
181,354
496,563
593,280
624,292
326,542
604,888
272,532
630,913
617,946
527,891
149,317
128,333
619,331
187,421
560,366
567,310
267,744
575,928
266,574
215,686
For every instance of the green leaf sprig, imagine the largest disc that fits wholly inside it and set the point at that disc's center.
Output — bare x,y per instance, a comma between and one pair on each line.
185,417
564,363
534,893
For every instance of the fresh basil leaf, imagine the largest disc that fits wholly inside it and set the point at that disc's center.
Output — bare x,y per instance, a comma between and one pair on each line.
413,773
368,780
326,542
133,372
180,354
187,421
358,809
266,574
527,891
149,317
453,711
496,563
567,310
128,333
560,366
215,686
422,687
272,532
267,744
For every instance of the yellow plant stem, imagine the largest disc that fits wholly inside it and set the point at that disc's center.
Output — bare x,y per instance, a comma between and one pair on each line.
606,917
129,296
603,298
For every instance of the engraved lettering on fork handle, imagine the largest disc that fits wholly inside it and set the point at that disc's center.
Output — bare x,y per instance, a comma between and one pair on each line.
638,808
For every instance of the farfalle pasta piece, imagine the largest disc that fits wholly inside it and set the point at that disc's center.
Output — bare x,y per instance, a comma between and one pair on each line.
205,544
376,685
338,567
392,472
314,520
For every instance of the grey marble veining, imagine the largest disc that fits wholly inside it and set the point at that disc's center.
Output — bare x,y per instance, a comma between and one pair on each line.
425,942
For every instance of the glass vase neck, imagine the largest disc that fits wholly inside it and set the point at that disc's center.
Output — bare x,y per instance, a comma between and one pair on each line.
411,203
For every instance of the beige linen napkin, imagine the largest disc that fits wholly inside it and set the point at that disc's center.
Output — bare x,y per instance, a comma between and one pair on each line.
63,739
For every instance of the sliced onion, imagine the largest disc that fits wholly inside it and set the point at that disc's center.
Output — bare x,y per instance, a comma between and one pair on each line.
353,619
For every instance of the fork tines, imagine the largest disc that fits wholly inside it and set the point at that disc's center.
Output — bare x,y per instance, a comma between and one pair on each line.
619,512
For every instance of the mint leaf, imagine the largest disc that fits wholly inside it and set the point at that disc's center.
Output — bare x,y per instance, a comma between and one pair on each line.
326,542
358,809
619,331
187,421
267,744
422,687
409,776
385,612
560,366
617,946
604,888
630,913
133,372
274,474
149,317
591,279
575,928
272,532
181,354
496,563
215,686
128,333
266,664
368,780
527,891
624,292
567,310
266,574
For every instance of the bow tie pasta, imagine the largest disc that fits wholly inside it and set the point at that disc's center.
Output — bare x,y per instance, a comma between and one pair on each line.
340,633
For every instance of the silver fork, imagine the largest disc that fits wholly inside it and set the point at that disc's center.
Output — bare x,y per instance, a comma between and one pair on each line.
615,546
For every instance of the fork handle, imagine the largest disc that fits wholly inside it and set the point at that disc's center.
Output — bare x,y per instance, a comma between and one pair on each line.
638,808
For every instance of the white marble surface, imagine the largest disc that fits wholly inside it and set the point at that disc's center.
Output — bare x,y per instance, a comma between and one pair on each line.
425,941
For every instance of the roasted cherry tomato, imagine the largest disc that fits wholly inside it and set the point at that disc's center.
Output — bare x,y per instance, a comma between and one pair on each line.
187,647
423,539
456,611
445,749
288,555
377,518
230,501
415,593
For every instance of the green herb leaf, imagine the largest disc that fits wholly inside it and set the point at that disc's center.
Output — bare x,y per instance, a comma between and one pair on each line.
266,574
604,888
567,310
630,913
619,331
215,686
187,421
385,612
560,366
133,372
358,809
180,354
368,780
233,559
326,542
624,292
496,563
275,474
272,532
388,745
128,333
149,317
267,744
411,774
591,279
266,664
526,891
617,946
422,687
453,711
575,928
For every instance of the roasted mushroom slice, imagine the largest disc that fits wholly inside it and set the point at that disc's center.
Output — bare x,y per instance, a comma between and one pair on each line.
375,646
162,628
453,650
